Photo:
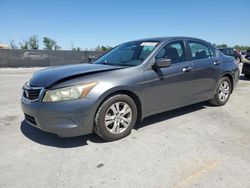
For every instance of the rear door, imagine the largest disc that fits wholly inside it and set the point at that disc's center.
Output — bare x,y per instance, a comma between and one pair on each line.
206,69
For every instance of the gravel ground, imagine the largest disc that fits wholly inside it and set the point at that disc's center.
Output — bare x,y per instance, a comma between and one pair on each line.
195,146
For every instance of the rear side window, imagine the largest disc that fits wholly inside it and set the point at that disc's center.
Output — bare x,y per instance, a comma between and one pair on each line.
199,51
214,52
173,51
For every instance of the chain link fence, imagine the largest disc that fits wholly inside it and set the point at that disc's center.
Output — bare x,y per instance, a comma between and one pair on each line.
44,58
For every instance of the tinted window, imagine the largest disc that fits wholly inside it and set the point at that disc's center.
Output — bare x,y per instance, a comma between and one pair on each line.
173,51
146,51
214,52
226,51
199,51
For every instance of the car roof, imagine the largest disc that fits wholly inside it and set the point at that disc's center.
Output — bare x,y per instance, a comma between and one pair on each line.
164,39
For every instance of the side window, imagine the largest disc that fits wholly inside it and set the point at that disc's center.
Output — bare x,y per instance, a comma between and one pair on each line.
214,52
146,51
173,51
199,51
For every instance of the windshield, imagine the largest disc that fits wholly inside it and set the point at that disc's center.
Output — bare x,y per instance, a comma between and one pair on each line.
128,54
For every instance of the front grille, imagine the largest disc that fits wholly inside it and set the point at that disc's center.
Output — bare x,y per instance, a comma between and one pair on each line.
31,94
30,119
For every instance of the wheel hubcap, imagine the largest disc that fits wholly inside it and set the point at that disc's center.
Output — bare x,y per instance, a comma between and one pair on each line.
224,90
118,117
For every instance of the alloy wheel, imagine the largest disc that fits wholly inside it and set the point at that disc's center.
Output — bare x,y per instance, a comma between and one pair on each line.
224,91
118,117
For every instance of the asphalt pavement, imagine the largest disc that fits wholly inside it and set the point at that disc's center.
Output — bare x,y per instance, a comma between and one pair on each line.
195,146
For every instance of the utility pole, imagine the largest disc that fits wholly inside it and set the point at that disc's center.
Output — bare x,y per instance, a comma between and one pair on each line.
72,46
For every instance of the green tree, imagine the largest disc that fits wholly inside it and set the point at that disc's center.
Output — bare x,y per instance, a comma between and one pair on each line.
102,48
50,44
241,47
222,46
34,42
76,49
24,44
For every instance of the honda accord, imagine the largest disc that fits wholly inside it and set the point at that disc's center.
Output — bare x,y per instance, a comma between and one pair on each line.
128,83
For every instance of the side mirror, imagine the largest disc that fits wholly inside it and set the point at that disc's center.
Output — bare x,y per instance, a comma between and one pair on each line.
161,63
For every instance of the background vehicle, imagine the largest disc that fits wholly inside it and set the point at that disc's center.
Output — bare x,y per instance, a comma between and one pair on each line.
246,65
130,82
243,52
231,52
247,53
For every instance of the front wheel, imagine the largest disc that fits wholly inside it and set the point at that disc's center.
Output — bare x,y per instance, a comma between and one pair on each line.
223,91
116,117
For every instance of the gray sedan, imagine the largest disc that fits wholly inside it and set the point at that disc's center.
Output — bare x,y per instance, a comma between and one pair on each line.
130,82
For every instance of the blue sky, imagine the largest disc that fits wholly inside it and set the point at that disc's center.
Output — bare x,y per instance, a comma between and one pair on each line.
110,22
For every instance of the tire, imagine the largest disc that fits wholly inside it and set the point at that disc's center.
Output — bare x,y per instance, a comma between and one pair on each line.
112,124
223,92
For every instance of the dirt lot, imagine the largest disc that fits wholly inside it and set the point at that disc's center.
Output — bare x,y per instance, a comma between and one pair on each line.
195,146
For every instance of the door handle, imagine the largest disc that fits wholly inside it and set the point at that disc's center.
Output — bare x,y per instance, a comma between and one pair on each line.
216,62
186,69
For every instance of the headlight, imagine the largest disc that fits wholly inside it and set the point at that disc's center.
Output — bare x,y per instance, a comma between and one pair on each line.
69,93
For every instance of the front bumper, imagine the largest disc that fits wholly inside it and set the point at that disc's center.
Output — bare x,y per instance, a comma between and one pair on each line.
64,118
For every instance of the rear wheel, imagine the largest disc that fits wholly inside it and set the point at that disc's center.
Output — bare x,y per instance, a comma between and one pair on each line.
116,117
223,91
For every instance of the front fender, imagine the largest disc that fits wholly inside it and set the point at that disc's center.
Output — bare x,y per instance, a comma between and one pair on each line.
133,92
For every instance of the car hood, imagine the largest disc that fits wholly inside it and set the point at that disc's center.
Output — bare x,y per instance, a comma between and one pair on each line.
51,76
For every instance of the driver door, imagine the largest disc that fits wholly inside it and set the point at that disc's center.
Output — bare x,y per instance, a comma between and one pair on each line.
169,87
